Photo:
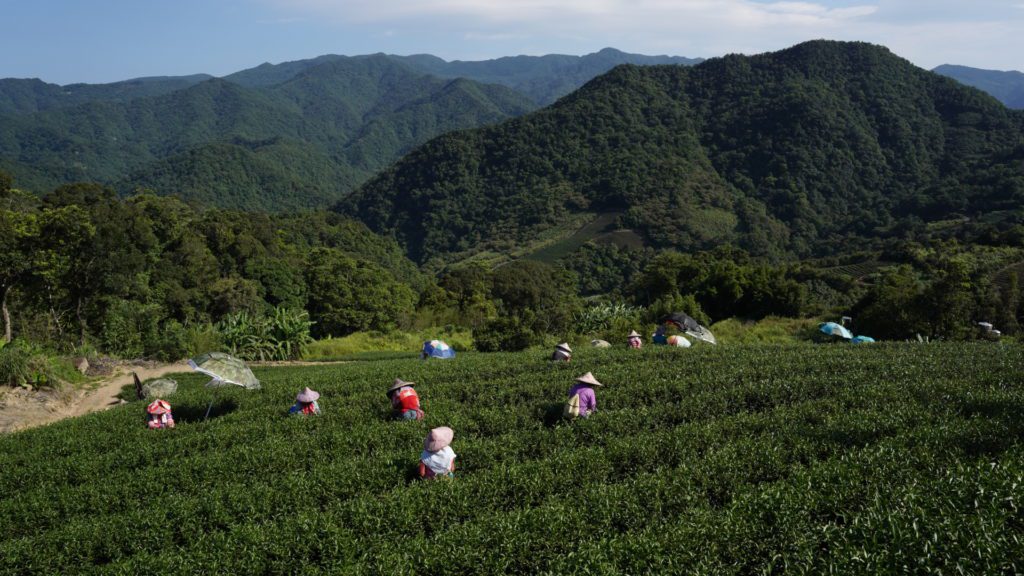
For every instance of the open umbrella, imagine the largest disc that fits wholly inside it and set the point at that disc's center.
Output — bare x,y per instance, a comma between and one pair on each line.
862,339
833,329
437,349
681,320
224,369
688,325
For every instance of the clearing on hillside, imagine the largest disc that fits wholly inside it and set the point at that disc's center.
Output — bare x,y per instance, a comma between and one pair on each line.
742,460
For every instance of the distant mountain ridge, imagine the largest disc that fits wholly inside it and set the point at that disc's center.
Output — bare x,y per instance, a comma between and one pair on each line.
1007,87
542,78
277,136
798,152
301,143
27,96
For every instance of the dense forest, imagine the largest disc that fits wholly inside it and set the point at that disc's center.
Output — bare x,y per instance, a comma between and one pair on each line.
148,275
83,270
792,154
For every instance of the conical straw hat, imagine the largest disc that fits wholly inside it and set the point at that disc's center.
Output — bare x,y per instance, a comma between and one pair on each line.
399,383
307,395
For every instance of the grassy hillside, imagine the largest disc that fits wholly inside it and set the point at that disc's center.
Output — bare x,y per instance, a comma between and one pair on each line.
742,460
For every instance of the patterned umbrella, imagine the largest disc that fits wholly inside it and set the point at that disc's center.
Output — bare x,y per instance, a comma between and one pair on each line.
225,369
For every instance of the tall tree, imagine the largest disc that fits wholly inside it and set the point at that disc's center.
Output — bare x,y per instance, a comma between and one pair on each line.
18,234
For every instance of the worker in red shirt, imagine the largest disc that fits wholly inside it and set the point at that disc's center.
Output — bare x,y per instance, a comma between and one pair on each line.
405,403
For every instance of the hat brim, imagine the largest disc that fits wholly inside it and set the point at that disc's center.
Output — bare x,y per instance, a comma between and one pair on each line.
589,380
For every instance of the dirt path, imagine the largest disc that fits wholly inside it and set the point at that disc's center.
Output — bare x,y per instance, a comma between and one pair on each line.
20,409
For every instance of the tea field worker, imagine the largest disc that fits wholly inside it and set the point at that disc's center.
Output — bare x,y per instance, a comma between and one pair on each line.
582,399
659,336
405,403
634,340
305,403
438,459
562,353
158,415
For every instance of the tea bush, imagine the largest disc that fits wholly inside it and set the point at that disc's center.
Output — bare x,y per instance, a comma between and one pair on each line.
738,460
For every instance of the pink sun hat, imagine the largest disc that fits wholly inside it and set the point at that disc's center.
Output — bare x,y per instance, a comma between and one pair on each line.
438,439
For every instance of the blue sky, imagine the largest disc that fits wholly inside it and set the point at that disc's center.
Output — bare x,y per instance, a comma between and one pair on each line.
66,41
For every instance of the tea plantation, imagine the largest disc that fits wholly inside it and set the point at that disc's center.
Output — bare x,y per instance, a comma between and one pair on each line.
729,460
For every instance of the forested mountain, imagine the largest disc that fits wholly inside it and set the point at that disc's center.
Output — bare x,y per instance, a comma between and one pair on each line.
1008,87
299,143
25,96
801,152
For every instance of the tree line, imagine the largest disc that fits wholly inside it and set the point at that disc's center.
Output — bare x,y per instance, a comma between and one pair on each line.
81,268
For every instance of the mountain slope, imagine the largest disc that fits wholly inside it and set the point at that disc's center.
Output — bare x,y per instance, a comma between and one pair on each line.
1008,87
791,152
350,117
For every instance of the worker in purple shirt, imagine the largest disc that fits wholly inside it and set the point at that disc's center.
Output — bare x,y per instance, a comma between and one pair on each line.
584,387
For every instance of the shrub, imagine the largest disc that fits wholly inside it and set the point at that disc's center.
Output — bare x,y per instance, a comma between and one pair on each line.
23,363
131,329
604,316
506,334
14,365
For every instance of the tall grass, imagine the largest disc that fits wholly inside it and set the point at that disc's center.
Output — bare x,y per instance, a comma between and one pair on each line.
26,364
770,330
282,335
394,344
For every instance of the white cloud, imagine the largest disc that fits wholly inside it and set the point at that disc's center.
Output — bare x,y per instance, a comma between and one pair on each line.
743,12
978,33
